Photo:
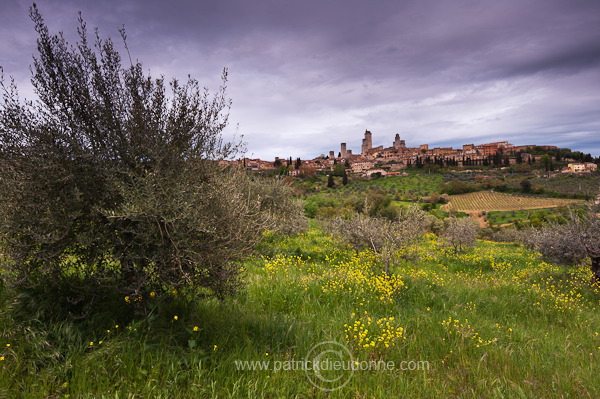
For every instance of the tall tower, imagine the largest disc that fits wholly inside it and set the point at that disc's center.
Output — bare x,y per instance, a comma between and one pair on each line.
344,152
367,142
398,144
397,141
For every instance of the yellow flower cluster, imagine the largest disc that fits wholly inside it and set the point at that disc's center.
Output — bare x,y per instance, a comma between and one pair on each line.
374,334
465,332
360,278
129,299
559,300
283,264
431,276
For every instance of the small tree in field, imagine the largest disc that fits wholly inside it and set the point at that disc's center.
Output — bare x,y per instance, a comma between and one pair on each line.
111,177
525,185
461,233
571,242
547,161
385,237
330,182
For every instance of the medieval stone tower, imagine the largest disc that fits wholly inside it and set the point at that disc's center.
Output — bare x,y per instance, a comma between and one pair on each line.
367,142
344,153
398,144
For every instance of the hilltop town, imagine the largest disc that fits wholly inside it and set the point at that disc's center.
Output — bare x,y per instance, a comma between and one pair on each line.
392,160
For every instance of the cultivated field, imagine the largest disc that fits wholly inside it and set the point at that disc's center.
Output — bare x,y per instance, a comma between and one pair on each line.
493,201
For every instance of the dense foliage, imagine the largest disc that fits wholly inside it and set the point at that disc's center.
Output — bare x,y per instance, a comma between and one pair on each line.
111,177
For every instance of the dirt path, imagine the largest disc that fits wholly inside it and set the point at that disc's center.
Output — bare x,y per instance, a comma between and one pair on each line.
483,223
480,219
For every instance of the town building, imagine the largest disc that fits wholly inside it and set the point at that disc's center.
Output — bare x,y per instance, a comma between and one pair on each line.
584,167
398,156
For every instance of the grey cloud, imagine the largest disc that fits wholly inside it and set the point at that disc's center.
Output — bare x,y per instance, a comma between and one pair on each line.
570,60
322,72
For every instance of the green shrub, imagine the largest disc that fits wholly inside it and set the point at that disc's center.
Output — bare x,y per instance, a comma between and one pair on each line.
110,180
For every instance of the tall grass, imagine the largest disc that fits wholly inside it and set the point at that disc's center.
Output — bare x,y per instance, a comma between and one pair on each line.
492,322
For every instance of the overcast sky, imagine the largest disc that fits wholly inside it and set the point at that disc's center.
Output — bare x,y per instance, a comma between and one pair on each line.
306,75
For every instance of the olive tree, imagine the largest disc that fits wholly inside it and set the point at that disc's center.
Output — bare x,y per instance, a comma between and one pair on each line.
571,242
461,233
118,177
385,237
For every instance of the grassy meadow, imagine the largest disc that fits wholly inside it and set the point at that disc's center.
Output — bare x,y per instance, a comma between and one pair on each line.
410,187
492,322
534,217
